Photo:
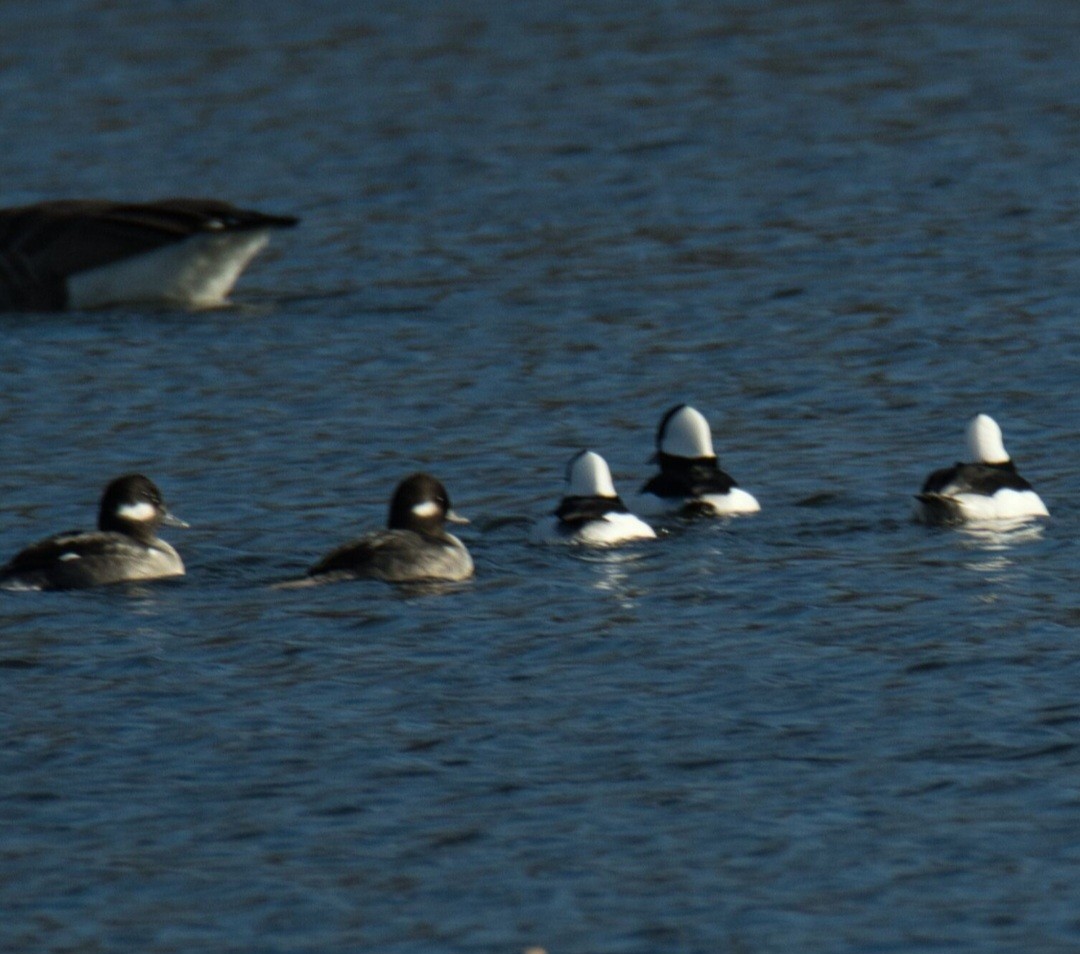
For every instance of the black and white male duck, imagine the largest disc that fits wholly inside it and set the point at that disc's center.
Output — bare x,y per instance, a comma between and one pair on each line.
990,488
690,481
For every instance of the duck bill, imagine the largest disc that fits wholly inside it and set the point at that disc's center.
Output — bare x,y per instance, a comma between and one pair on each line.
171,520
452,516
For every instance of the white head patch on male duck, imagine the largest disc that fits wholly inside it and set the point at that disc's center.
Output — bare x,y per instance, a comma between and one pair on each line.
684,432
990,488
985,442
588,475
690,479
591,512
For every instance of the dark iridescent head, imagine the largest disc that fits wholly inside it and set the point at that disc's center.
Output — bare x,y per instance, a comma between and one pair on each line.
132,504
421,503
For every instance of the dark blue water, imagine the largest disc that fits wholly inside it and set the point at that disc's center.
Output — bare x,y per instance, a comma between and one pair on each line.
839,229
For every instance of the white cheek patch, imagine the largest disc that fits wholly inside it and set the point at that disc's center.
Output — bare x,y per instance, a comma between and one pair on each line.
137,511
427,508
65,557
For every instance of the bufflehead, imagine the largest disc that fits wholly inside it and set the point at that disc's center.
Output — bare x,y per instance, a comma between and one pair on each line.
990,489
690,479
124,547
591,512
85,253
415,546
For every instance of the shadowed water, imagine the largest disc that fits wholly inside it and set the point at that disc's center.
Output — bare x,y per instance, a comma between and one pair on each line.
838,229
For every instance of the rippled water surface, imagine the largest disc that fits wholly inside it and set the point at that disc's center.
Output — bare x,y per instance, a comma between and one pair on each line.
839,229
